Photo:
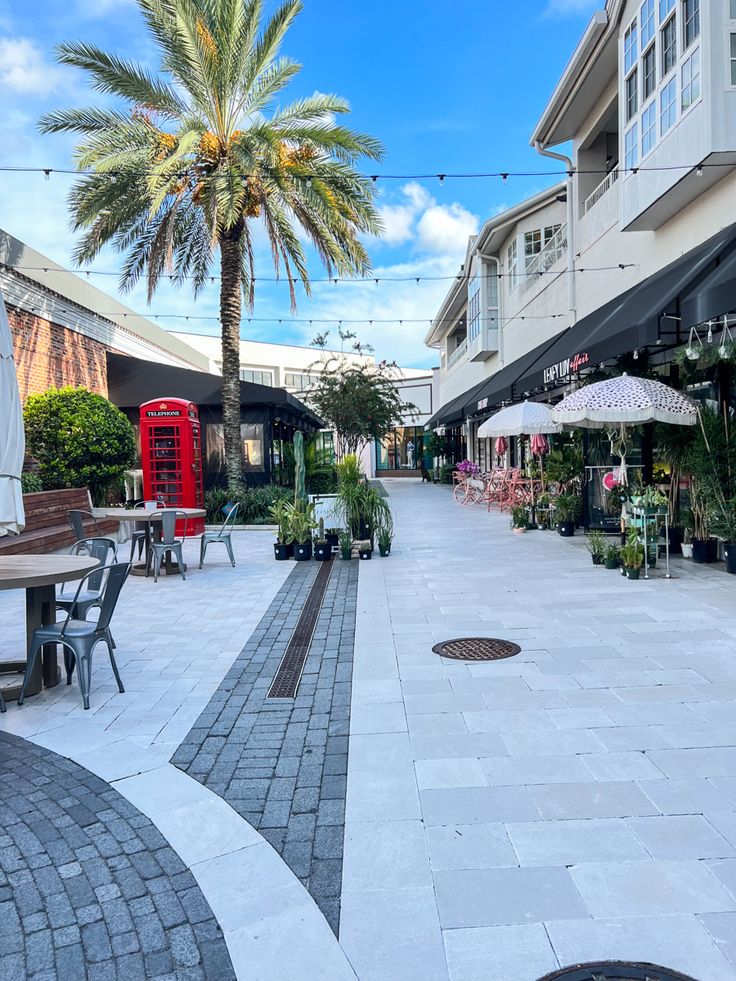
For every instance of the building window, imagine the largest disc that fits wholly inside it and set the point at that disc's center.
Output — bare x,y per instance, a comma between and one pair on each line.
550,232
648,128
664,8
474,308
257,377
632,94
691,80
512,260
691,16
669,45
532,246
668,106
646,18
649,72
300,380
631,48
733,59
631,147
733,9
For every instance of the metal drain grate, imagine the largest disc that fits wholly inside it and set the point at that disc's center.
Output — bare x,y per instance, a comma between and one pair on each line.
616,971
286,682
476,649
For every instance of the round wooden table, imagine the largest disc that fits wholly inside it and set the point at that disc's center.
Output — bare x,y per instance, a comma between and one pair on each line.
149,515
38,575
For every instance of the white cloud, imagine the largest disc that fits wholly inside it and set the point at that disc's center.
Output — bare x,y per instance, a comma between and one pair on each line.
571,8
445,229
24,69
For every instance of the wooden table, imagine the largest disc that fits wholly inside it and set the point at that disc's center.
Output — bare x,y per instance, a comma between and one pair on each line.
149,515
38,575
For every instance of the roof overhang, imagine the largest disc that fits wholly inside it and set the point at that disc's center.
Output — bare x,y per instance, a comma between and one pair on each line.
495,230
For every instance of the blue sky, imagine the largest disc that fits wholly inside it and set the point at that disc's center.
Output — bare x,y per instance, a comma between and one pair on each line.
445,87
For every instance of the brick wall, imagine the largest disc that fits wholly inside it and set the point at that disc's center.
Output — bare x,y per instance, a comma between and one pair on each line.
50,356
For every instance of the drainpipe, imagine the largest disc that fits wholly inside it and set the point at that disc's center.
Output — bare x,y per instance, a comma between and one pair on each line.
572,302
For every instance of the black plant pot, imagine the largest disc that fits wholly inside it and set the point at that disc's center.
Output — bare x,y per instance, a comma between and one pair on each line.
303,551
729,554
332,540
566,529
283,552
632,573
705,550
597,559
366,553
322,551
675,541
611,563
385,550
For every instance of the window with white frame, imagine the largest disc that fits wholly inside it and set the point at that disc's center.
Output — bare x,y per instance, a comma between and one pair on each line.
668,35
256,376
512,261
668,106
532,245
632,95
648,128
300,380
733,59
631,147
665,6
474,308
649,71
631,49
690,80
691,22
646,22
732,9
550,232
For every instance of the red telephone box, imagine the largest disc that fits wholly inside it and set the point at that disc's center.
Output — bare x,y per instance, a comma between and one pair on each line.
171,454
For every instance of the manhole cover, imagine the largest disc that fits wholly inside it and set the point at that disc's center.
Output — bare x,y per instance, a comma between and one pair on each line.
476,649
616,971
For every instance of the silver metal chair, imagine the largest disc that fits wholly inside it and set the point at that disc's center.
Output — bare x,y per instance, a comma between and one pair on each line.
223,534
140,530
82,636
169,543
69,598
76,521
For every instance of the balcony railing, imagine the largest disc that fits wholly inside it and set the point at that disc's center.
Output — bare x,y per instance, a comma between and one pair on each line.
458,353
552,252
605,185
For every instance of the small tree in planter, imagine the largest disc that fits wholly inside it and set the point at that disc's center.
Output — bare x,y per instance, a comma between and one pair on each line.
301,523
597,546
284,545
632,559
567,512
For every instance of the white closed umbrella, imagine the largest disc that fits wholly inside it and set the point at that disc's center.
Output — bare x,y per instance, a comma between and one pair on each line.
12,437
522,419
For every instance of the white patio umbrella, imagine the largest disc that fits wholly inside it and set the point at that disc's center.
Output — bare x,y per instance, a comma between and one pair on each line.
12,438
624,401
522,419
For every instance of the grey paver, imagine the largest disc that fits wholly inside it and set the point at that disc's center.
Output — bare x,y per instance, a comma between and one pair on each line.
573,842
680,837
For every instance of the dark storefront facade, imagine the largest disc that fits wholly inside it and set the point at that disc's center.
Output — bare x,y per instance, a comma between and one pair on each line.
269,416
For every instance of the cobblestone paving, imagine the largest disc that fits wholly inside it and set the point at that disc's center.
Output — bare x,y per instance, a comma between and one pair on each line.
282,763
89,889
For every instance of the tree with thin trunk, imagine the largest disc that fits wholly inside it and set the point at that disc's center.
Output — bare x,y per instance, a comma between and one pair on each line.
188,157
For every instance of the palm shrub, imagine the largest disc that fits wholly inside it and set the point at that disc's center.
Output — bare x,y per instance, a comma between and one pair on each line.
179,171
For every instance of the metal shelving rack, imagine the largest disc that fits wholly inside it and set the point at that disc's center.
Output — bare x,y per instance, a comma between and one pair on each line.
652,516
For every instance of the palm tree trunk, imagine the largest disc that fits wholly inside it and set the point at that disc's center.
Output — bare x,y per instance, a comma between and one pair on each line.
230,308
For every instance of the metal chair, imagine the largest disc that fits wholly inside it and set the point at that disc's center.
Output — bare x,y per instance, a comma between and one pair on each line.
140,530
79,604
82,636
169,543
223,534
76,521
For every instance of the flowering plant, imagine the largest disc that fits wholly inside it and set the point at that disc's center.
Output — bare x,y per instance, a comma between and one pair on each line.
468,467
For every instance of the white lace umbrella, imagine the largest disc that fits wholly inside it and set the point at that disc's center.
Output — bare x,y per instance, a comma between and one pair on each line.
625,401
523,419
12,439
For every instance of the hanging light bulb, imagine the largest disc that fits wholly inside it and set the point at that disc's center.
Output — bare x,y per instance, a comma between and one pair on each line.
694,345
726,338
699,171
636,354
710,331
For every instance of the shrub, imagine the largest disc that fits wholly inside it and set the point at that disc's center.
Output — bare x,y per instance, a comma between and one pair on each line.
446,472
255,503
79,439
323,480
31,483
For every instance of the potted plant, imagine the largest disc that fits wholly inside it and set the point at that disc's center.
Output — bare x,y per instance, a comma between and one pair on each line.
365,549
333,537
687,542
284,545
567,511
597,546
724,525
612,556
384,542
632,559
542,509
518,519
301,523
322,548
346,545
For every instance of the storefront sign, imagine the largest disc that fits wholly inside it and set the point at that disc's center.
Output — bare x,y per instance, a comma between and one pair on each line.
564,368
482,404
163,410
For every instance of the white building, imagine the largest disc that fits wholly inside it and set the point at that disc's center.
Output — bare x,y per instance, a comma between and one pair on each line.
620,257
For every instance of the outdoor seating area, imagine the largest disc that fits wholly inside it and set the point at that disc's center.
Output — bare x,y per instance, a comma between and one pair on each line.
47,523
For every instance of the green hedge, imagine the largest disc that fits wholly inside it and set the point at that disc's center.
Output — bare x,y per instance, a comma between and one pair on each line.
254,503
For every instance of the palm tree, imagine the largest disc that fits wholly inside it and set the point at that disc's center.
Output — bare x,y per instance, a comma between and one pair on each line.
198,151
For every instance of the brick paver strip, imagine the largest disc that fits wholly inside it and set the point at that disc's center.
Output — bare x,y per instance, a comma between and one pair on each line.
282,763
89,888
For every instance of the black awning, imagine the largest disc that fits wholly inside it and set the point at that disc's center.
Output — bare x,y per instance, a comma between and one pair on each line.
131,382
452,412
713,296
633,320
503,386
